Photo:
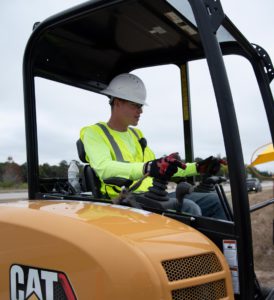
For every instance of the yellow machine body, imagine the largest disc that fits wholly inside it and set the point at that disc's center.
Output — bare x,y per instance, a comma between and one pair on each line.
99,251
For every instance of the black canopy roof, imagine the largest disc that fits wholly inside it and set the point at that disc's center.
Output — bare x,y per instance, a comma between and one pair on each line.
86,46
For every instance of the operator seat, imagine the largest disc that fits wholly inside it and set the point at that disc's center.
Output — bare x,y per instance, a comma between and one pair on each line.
90,181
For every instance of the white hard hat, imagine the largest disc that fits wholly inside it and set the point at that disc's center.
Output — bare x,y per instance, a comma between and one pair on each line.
128,87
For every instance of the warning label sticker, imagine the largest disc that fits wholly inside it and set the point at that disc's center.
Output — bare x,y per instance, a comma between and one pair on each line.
230,253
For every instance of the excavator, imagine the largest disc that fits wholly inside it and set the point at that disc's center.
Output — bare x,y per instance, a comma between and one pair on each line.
68,244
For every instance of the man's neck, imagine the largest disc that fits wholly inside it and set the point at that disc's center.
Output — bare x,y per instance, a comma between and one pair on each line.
116,125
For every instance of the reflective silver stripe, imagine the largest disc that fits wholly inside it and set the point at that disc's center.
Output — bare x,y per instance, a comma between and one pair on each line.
134,131
116,149
142,141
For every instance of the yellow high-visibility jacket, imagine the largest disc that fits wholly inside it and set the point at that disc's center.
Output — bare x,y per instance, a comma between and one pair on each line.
127,161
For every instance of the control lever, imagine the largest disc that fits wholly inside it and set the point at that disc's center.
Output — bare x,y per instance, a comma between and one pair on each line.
126,190
208,184
182,189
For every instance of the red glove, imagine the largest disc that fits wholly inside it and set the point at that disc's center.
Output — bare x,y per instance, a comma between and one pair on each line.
210,165
165,167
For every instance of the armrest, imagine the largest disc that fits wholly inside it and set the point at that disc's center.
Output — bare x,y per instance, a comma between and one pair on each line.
118,181
214,180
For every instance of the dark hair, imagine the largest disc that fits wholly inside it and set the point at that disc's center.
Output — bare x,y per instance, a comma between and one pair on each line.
111,100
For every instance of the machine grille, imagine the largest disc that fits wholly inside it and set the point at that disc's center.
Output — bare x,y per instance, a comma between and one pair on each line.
193,266
210,291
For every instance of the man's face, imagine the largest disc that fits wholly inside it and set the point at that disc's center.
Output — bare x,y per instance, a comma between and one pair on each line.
130,112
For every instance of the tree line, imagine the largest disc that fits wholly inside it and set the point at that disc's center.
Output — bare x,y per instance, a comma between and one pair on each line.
13,175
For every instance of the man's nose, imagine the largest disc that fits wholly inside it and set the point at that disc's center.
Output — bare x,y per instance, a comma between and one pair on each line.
140,109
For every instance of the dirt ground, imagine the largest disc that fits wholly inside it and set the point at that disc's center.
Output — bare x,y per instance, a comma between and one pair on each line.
262,233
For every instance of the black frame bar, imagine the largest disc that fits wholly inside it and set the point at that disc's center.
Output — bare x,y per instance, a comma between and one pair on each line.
232,145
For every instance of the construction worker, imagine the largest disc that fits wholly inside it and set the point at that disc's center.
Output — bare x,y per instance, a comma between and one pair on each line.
114,149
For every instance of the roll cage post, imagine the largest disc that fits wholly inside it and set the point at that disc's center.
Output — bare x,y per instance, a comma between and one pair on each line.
210,15
264,73
31,126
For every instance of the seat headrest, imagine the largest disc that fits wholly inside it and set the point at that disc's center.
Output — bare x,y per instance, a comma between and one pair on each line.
81,151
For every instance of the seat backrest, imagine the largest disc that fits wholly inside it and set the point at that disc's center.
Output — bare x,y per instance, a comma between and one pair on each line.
81,151
91,182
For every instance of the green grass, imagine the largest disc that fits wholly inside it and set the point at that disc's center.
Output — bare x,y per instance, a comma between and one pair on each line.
9,186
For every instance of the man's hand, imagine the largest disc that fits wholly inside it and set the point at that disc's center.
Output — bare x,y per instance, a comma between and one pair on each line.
165,167
210,165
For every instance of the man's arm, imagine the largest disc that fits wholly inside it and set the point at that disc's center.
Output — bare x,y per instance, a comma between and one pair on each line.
190,170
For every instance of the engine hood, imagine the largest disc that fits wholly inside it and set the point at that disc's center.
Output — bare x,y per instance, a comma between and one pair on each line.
121,246
129,224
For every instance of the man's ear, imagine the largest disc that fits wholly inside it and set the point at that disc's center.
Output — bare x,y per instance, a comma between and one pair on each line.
117,101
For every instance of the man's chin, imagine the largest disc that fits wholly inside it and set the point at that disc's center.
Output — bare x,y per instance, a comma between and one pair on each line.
135,123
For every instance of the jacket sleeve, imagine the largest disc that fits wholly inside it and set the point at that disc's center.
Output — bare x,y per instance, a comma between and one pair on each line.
99,157
189,171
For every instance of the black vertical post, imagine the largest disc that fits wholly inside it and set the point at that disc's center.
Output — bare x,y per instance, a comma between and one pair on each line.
186,106
208,20
30,125
187,118
273,209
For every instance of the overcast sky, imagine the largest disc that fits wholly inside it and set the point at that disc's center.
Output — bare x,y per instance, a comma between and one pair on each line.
59,123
